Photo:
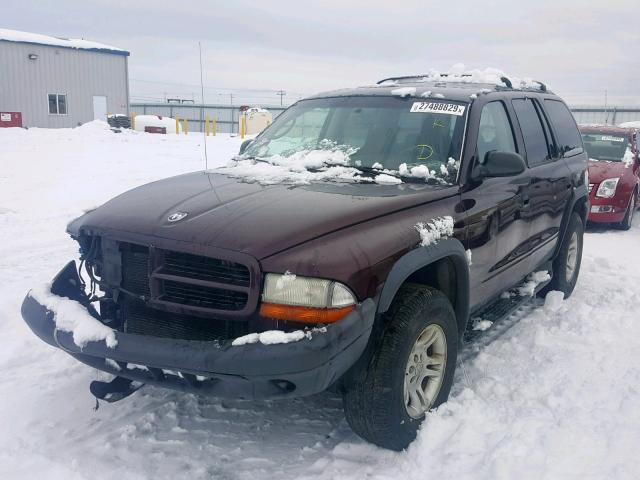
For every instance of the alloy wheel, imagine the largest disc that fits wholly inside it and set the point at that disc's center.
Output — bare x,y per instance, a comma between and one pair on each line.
425,371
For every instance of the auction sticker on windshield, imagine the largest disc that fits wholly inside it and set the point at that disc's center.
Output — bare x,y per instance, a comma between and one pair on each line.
437,107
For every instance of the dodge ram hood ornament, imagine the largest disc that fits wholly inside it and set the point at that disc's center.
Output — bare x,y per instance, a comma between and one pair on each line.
176,216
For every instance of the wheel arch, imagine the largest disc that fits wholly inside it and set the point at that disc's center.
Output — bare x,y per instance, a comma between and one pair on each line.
579,205
442,265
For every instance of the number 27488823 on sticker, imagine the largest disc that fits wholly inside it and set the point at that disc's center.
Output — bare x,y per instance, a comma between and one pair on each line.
438,107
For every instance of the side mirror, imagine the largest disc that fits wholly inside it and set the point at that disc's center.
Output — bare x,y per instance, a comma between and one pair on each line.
244,145
501,164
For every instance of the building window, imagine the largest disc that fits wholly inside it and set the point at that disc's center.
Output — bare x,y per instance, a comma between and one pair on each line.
57,104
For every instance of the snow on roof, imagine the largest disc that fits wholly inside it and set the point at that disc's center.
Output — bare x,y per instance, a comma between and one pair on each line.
459,74
77,43
635,124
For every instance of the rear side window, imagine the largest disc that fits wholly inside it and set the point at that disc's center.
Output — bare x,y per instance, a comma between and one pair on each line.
535,140
494,132
568,137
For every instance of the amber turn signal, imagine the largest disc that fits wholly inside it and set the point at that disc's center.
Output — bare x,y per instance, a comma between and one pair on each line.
304,314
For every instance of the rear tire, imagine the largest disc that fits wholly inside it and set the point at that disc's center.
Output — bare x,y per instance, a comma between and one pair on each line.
405,375
566,265
628,218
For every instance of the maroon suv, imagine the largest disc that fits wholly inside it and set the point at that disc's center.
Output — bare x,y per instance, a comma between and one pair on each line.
347,246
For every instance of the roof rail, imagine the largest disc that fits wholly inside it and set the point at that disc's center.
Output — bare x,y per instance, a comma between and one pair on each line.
506,81
426,75
405,77
543,87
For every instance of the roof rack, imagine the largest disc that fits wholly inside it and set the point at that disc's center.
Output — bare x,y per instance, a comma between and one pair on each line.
417,77
505,80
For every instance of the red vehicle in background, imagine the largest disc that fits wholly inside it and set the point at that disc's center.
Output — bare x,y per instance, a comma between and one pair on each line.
614,173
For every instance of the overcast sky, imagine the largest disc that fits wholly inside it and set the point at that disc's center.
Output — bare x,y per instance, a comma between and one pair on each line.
579,47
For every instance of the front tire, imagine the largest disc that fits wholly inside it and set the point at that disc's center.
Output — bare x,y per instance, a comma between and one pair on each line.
409,372
566,265
628,218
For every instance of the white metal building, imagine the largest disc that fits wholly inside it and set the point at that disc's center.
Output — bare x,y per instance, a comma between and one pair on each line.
59,82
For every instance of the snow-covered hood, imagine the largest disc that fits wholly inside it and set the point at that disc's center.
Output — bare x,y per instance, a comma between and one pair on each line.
601,170
260,220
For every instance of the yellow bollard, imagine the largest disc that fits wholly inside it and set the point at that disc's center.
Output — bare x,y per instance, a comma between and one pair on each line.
215,126
177,124
133,120
243,125
206,125
185,126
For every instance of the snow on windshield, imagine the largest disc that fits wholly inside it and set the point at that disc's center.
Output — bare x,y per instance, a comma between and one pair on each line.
372,139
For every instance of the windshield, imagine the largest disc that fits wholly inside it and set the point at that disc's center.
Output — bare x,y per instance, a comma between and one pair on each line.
607,148
397,136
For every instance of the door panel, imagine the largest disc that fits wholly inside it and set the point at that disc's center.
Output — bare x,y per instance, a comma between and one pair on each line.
99,107
496,229
549,192
497,234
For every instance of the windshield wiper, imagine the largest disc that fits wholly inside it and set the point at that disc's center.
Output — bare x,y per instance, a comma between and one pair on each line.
375,171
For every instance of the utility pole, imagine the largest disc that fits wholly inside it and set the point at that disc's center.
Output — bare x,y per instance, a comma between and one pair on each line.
282,93
606,113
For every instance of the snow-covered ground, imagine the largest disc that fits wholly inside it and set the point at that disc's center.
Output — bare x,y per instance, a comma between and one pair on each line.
555,396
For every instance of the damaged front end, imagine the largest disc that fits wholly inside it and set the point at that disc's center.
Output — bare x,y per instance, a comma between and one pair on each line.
175,313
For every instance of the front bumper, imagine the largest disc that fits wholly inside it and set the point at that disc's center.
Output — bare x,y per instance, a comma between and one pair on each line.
250,371
608,210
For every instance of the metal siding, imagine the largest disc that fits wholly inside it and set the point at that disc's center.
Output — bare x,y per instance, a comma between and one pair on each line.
80,74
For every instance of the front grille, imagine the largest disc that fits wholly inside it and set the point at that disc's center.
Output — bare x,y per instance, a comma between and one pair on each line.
143,320
214,296
206,268
204,297
135,269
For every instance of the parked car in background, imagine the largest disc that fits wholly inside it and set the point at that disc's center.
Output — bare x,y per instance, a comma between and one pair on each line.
614,173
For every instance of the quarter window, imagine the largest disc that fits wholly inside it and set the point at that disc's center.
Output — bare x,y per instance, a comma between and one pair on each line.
569,139
494,132
535,140
57,104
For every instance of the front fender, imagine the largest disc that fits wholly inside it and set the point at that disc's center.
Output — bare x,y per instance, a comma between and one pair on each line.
421,257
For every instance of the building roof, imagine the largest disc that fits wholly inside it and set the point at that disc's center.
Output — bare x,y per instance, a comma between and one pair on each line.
76,43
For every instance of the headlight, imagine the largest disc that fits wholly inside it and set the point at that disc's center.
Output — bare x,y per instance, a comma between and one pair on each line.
607,188
304,299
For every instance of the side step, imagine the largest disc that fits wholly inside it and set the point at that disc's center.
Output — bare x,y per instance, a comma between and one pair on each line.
498,311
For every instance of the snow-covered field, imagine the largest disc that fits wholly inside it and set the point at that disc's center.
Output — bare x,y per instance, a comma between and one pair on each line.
555,396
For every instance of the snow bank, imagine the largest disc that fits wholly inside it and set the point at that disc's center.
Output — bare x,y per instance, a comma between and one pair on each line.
434,230
169,123
274,337
70,316
634,124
